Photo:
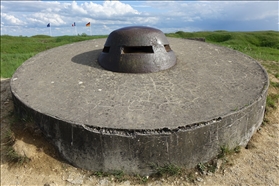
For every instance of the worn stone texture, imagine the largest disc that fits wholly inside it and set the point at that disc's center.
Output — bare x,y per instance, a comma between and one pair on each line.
101,120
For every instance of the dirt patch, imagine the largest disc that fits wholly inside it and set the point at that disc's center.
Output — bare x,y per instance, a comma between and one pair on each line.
257,164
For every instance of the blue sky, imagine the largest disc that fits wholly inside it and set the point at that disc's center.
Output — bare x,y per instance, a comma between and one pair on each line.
29,18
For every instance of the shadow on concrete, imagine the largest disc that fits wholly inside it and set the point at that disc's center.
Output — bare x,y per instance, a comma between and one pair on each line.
88,58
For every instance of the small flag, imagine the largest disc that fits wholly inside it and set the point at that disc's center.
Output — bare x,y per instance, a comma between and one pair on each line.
48,25
88,24
74,24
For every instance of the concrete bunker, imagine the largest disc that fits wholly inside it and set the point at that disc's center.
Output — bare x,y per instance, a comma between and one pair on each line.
102,120
137,49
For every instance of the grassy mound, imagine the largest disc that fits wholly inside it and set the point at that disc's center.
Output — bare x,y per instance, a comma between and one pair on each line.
261,45
15,50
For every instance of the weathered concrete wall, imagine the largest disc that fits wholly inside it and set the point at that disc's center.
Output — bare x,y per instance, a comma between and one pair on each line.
140,152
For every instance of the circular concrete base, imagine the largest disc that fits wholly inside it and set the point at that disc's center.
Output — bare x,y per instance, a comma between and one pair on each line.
103,121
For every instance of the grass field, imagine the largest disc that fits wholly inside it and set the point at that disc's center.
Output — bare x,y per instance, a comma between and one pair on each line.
16,50
261,45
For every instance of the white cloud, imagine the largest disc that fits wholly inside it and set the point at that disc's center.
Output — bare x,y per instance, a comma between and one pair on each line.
246,11
65,10
28,6
77,9
11,18
213,15
118,8
109,15
109,9
44,18
218,10
146,20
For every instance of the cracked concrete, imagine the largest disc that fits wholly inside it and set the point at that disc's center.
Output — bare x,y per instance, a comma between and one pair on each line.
213,96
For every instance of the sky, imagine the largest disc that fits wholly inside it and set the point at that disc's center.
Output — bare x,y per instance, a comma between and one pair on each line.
28,18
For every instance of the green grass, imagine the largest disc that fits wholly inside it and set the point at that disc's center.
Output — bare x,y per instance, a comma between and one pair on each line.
206,167
225,151
261,45
272,101
16,50
170,170
14,157
272,67
7,150
274,84
224,155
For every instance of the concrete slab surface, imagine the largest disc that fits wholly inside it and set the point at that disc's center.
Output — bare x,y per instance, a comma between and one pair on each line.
208,82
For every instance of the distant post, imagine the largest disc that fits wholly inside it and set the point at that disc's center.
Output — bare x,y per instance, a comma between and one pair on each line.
74,25
89,25
48,25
